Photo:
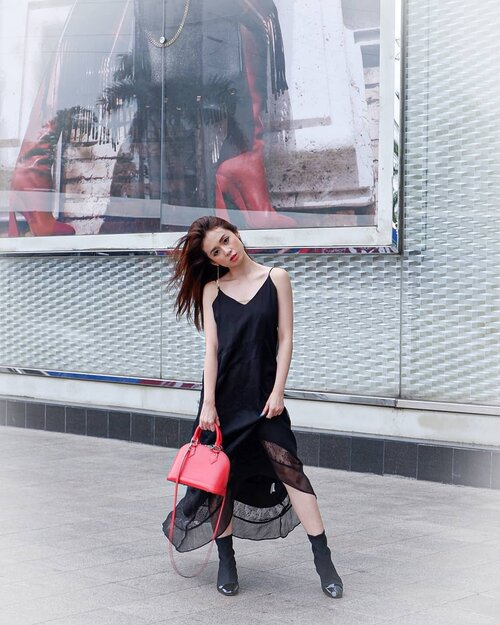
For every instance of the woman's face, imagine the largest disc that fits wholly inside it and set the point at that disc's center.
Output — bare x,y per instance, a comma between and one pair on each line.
223,247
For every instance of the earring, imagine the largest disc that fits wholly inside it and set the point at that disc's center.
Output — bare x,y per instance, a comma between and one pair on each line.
217,274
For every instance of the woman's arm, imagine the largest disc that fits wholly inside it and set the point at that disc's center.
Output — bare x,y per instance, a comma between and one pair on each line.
275,404
208,414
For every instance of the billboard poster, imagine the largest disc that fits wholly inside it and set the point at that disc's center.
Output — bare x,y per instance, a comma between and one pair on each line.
126,120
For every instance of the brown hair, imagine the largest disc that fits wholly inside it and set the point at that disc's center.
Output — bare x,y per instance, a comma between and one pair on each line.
193,269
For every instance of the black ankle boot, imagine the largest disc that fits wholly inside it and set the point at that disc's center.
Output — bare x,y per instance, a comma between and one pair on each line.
331,583
227,577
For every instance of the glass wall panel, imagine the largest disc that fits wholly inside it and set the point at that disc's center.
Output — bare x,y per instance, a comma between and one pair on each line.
138,116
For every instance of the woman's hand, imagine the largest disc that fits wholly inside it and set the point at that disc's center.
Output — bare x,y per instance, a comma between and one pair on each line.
208,416
274,405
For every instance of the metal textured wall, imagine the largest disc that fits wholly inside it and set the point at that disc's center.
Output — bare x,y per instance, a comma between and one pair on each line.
450,299
424,326
98,315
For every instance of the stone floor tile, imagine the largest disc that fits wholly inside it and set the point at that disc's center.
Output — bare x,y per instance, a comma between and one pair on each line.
96,617
492,592
43,586
447,614
482,604
81,544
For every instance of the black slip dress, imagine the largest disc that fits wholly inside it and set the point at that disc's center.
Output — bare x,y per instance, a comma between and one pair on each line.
263,452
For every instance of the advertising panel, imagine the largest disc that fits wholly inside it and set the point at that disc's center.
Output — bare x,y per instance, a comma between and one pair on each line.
126,120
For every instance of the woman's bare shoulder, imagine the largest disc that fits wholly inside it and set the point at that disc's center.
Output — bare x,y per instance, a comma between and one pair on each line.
210,291
281,279
278,274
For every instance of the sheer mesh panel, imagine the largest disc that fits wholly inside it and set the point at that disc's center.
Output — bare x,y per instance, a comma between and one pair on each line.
288,468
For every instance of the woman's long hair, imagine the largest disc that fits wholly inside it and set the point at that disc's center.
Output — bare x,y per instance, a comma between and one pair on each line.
193,269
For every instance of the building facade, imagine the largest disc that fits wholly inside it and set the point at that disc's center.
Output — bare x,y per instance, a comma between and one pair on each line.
396,363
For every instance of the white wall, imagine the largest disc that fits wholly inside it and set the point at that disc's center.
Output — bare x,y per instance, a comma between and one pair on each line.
421,425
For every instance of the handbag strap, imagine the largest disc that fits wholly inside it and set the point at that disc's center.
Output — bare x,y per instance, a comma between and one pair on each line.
204,564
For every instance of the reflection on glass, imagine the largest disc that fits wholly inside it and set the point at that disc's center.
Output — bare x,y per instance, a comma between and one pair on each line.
151,113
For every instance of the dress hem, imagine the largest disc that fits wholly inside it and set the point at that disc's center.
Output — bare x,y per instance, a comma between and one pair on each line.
239,537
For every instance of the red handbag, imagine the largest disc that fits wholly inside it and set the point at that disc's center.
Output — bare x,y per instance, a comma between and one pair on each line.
205,467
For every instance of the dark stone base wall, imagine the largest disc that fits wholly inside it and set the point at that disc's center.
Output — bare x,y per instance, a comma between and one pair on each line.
421,461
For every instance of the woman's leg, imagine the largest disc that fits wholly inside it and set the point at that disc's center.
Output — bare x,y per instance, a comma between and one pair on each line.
228,531
226,519
288,468
227,575
307,509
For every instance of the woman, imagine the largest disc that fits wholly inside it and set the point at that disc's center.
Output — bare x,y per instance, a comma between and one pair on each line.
246,312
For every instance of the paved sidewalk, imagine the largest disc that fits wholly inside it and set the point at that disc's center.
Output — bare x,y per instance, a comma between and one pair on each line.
81,544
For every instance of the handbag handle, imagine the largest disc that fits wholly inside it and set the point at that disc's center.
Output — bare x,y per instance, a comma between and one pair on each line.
203,566
218,436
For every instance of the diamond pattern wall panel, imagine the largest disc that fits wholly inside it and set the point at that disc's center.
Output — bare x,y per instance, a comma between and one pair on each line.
451,279
183,347
346,336
99,315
